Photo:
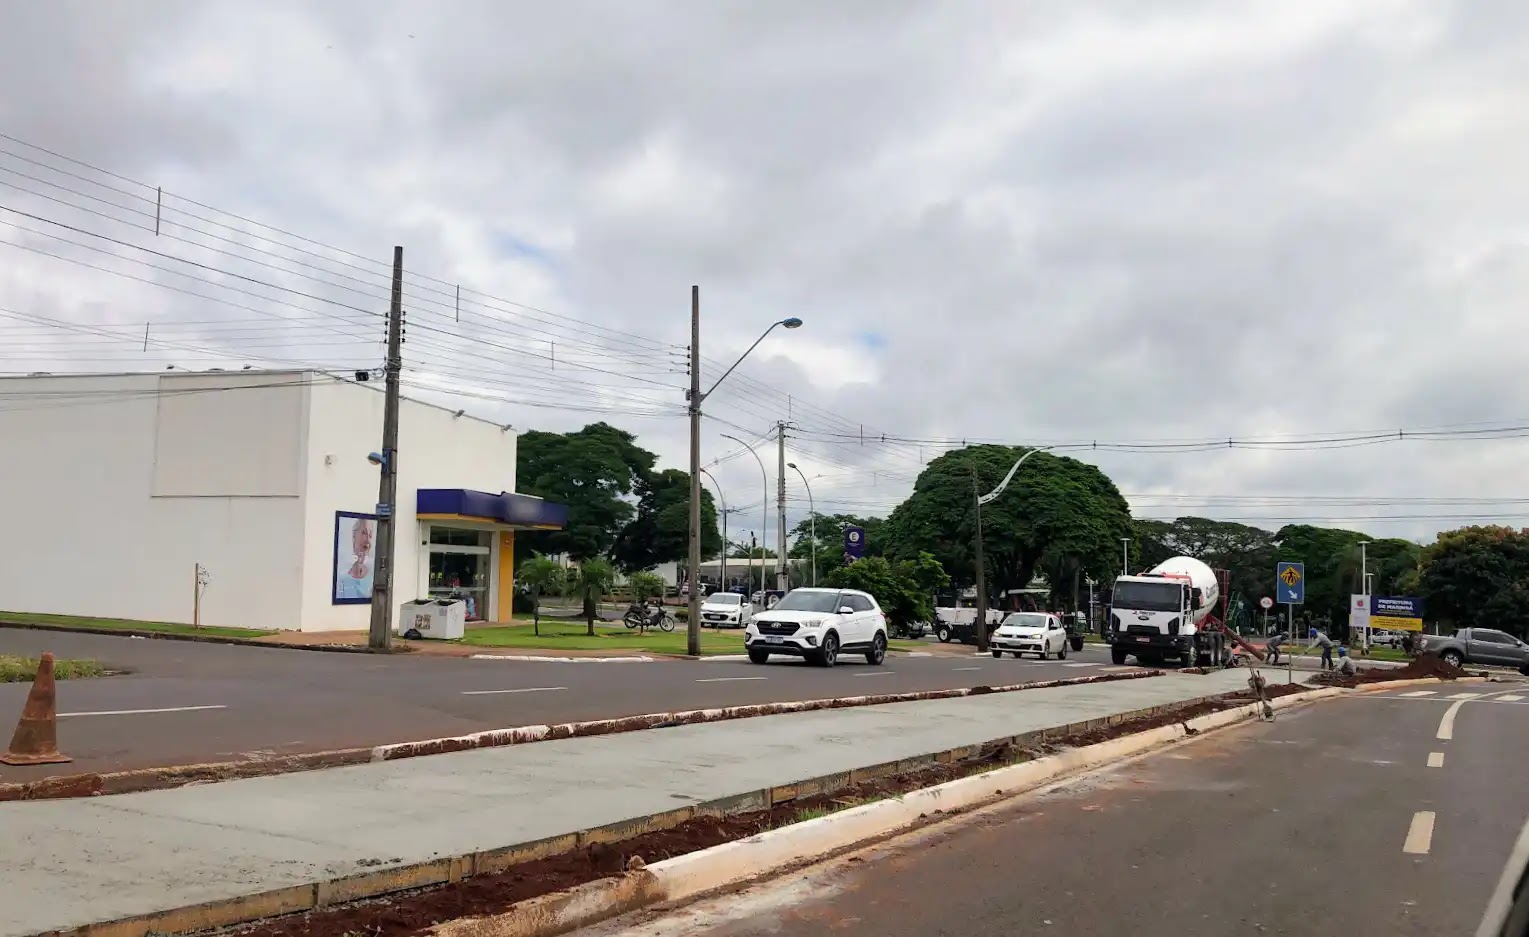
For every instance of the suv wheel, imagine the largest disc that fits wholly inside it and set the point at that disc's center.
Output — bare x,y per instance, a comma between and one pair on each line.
759,657
878,651
828,654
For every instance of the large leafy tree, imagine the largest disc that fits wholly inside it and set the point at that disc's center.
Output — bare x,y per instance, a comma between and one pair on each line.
594,471
1478,576
903,588
1331,556
1247,553
1056,508
660,530
830,539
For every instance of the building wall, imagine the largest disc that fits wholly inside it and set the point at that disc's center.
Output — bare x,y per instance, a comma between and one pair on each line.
437,449
115,487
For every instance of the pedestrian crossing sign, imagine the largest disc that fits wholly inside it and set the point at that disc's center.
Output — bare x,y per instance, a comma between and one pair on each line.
1290,583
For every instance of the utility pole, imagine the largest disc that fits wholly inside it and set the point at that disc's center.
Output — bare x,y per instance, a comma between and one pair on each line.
981,572
387,486
782,577
693,620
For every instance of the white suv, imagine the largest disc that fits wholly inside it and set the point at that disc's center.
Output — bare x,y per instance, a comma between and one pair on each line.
819,624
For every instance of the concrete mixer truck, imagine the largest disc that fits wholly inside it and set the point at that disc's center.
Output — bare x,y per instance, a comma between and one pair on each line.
1170,611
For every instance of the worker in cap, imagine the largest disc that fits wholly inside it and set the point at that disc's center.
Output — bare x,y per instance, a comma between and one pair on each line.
1346,663
1320,639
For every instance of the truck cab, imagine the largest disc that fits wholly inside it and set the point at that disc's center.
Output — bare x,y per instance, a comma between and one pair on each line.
1154,617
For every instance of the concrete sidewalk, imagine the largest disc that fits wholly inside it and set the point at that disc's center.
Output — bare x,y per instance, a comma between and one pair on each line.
64,864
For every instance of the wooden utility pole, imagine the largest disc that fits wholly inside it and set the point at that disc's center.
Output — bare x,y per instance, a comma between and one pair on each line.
387,487
693,622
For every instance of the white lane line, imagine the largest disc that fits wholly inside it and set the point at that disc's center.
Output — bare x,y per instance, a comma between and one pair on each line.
1435,759
141,712
1080,665
1420,693
1117,669
876,673
1447,724
524,689
1419,834
1511,698
1463,696
729,679
961,669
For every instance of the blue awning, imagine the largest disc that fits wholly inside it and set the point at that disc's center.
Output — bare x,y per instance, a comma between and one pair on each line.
502,508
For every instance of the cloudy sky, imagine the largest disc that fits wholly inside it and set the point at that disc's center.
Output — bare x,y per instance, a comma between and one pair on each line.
1037,222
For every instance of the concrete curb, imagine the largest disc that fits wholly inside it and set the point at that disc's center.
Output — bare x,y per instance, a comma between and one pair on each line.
573,660
195,638
146,779
732,863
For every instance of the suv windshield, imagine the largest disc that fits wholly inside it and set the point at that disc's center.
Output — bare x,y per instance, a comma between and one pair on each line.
802,601
1148,596
723,598
1026,620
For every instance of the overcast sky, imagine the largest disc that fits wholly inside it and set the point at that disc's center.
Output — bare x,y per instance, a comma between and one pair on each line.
1031,222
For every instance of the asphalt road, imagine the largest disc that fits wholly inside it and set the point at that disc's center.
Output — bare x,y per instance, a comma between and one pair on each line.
188,703
1331,821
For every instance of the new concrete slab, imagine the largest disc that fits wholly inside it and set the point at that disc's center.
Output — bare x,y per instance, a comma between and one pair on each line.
65,864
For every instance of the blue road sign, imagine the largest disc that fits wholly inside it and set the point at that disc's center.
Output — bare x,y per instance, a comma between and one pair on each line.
1290,583
854,543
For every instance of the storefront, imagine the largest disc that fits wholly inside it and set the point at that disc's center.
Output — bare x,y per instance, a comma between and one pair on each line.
467,541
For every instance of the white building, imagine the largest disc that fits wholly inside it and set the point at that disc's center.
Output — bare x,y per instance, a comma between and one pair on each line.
116,488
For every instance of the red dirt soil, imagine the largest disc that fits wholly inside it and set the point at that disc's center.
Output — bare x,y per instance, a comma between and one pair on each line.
411,913
1420,667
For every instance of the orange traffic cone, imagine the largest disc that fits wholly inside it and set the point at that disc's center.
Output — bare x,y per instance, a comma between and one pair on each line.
36,738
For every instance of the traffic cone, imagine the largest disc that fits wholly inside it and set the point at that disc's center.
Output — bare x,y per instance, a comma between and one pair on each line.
36,738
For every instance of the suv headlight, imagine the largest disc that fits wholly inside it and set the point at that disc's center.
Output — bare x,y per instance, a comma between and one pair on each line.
812,622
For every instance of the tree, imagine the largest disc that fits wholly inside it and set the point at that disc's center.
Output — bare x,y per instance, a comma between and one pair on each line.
588,581
1331,558
541,575
593,471
660,531
646,586
1478,577
1054,505
1247,553
903,588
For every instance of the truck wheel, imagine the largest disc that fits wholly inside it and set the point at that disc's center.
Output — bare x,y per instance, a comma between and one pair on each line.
1117,655
1192,656
943,633
1453,657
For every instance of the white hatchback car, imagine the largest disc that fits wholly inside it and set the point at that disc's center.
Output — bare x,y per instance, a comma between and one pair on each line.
819,625
726,610
1036,633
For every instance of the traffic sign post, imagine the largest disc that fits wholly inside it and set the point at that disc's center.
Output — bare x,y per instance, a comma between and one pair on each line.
1266,603
1290,588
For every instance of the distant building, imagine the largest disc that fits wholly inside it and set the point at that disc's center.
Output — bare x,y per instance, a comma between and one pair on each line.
119,487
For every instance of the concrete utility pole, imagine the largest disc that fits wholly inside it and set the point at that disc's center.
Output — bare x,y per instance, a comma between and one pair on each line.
693,620
387,487
782,576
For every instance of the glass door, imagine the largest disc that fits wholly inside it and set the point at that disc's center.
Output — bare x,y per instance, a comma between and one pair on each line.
459,567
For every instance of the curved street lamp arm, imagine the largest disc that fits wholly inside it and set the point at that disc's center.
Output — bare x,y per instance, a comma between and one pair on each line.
1009,477
740,360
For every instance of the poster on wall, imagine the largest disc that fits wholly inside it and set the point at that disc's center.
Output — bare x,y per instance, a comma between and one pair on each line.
355,557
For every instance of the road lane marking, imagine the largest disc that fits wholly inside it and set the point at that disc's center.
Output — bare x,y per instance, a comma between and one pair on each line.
1435,759
729,679
1420,693
1118,669
141,712
1511,698
876,673
1080,665
1463,696
960,669
1419,834
524,689
1447,724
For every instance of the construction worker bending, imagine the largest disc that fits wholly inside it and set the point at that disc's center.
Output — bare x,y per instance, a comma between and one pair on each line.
1272,647
1320,639
1346,663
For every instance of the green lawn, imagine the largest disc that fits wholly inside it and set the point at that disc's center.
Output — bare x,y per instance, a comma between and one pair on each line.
571,636
123,624
23,669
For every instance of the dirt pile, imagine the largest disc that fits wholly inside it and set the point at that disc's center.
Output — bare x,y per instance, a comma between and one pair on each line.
1420,667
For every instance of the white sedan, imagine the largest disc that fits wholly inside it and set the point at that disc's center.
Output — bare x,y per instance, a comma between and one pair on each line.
1035,633
726,610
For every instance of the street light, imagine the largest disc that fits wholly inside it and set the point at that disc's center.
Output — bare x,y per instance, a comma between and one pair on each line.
1125,556
764,511
981,563
693,402
722,576
812,516
1364,585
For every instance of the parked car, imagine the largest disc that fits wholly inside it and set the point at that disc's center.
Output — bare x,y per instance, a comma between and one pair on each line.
726,610
1479,646
960,624
819,625
1385,638
1038,633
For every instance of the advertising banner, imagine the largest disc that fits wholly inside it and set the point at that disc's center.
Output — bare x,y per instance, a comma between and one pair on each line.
355,558
1396,612
854,543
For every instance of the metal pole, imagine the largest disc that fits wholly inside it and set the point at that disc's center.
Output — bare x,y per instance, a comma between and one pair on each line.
764,508
693,622
782,577
981,572
1364,587
387,488
812,514
1125,556
196,596
721,498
